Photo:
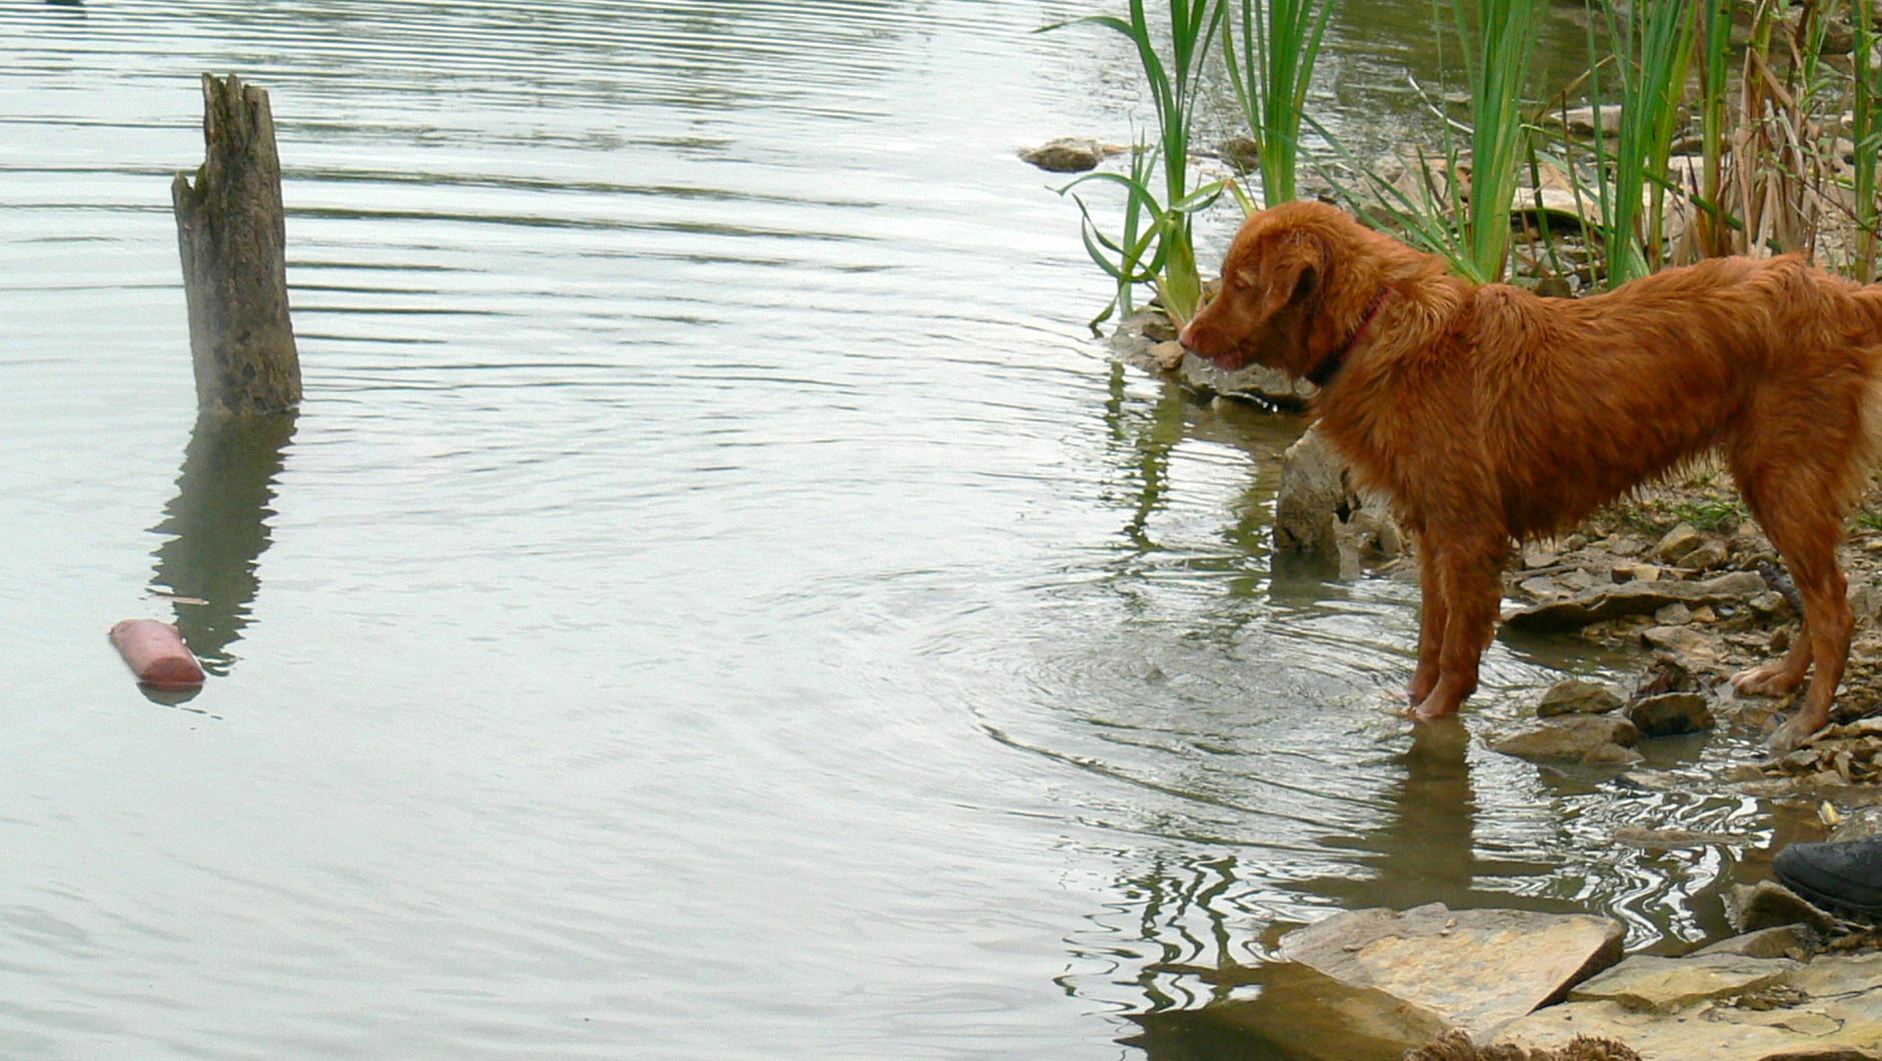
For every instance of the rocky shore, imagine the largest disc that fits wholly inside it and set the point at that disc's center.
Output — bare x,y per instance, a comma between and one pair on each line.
1681,576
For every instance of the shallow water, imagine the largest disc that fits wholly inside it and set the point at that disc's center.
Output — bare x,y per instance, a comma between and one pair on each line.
715,599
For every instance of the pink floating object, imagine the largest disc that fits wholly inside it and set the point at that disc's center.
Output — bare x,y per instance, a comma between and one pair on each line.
156,654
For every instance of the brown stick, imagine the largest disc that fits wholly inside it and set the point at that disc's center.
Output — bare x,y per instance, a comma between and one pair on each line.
233,239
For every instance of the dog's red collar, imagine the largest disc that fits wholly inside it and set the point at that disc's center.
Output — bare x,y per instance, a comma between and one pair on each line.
1331,364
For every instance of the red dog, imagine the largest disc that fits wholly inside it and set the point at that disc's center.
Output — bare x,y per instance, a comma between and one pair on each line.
1489,414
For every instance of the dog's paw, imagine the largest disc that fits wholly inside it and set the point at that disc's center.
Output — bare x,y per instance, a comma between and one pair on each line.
1434,708
1792,735
1768,680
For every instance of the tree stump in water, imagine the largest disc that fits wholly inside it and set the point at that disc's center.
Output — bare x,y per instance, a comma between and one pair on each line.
233,238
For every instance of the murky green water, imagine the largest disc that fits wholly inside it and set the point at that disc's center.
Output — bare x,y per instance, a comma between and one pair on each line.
715,601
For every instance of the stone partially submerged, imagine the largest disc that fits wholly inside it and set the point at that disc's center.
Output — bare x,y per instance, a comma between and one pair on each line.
1435,984
1317,511
1472,970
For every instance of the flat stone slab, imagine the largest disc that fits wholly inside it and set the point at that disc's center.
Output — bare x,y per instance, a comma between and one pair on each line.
1740,1009
1476,970
1647,982
1635,598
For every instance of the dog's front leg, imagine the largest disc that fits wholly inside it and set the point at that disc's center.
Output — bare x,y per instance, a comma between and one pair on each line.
1465,578
1431,622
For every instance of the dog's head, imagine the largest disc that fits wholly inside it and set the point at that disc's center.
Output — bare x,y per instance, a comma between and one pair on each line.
1285,292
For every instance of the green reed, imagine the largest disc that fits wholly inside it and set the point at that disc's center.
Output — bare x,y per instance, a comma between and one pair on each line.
1134,257
1713,38
1270,67
1167,259
1866,131
1653,48
1458,205
1499,38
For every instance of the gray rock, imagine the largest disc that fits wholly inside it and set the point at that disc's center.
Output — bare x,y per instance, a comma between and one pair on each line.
1768,904
1595,740
1766,1010
1577,696
1866,601
1674,614
1536,554
1779,941
1822,1030
1475,969
1370,529
1636,571
1583,121
1636,598
1706,556
1256,382
1316,511
1069,154
1312,496
1653,984
1670,714
1860,825
1677,543
1666,675
1167,354
1542,588
1770,605
1683,642
1309,1015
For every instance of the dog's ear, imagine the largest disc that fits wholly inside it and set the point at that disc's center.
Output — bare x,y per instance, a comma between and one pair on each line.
1296,270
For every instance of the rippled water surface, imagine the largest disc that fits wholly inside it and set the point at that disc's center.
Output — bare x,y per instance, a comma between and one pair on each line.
715,600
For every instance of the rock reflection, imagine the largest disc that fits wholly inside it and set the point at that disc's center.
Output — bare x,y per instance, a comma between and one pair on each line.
217,528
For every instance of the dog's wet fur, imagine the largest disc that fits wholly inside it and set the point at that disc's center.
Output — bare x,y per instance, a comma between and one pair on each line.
1488,414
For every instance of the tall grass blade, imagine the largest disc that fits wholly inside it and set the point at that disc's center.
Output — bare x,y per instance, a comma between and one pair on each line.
1270,70
1653,45
1499,39
1174,80
1714,41
1866,101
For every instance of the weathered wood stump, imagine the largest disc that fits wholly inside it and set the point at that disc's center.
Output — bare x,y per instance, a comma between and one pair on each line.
233,238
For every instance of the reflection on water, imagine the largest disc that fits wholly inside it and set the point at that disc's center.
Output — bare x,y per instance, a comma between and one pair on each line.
1425,849
217,529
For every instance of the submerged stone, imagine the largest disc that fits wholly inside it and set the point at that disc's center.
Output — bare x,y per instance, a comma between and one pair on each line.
1596,740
